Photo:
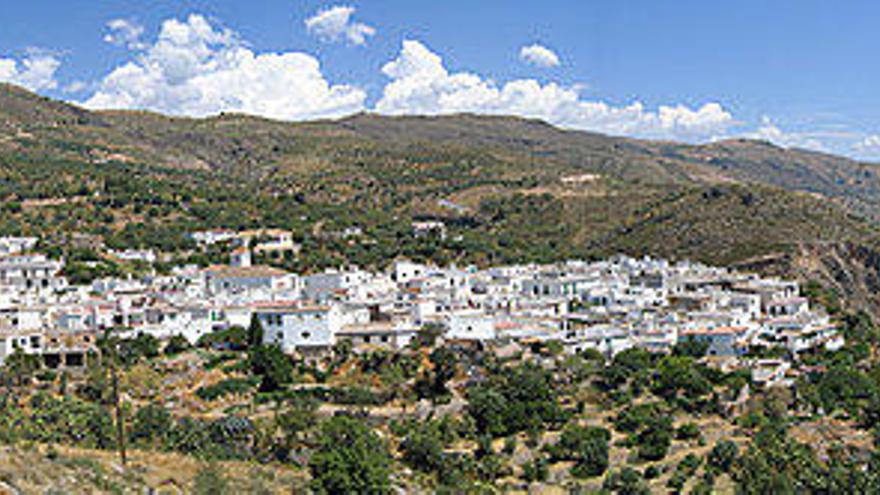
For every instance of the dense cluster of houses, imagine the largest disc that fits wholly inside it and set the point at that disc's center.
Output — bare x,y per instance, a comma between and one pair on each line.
607,306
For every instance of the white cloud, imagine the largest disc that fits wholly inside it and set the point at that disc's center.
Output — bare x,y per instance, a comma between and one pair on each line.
35,72
196,69
335,24
539,55
123,32
771,132
869,144
420,84
76,87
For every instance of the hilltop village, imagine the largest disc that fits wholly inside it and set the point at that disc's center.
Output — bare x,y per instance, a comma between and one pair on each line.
607,306
619,375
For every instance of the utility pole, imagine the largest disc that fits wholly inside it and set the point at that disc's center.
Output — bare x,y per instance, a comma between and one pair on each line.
117,404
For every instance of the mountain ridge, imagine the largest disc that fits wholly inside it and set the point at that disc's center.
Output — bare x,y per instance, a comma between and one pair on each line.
209,143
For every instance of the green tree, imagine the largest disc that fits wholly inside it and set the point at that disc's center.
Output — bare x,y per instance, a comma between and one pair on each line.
774,463
176,344
272,366
680,375
690,347
847,388
514,400
625,481
255,332
626,365
296,419
723,455
150,423
587,446
654,440
688,431
234,337
20,367
536,469
422,447
349,459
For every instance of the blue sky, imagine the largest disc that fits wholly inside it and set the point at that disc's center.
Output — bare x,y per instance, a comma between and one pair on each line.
799,73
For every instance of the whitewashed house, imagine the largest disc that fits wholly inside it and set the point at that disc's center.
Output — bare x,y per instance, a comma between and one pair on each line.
33,272
238,279
300,328
334,284
606,339
30,342
16,245
405,271
470,325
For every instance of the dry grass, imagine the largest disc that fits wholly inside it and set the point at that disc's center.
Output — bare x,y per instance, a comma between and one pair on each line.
59,469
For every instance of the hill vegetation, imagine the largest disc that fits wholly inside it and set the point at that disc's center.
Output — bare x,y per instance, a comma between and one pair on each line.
223,418
509,189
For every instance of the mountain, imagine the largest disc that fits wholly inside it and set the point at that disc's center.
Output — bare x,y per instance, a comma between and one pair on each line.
511,189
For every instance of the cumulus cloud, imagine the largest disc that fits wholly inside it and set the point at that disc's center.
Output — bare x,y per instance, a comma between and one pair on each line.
196,69
869,144
76,87
35,72
421,84
538,55
335,24
123,32
771,132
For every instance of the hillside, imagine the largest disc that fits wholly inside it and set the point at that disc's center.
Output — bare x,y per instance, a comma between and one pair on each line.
559,378
511,189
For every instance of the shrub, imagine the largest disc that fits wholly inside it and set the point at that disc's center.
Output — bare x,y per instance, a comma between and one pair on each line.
688,431
350,458
230,386
176,344
587,446
723,455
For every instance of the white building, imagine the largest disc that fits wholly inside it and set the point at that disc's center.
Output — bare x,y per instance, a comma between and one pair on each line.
334,284
605,339
211,237
429,227
142,255
191,322
238,279
16,245
300,328
30,342
378,335
32,272
405,271
470,325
